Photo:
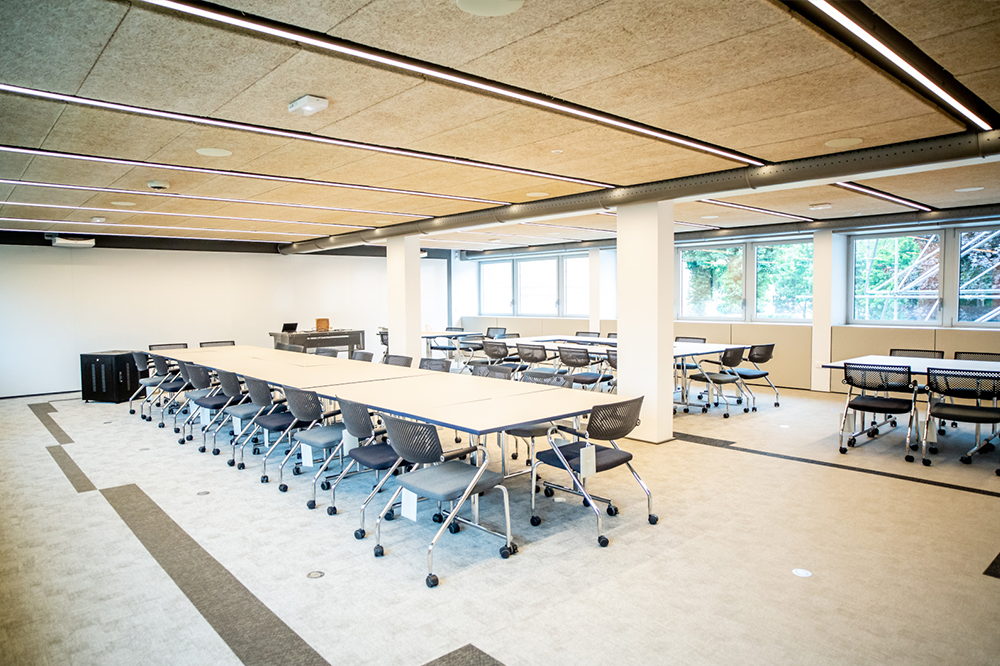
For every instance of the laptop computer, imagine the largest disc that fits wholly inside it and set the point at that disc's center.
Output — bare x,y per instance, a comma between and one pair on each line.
289,328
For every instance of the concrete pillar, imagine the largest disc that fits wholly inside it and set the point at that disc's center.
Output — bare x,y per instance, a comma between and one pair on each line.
595,289
403,280
829,300
646,314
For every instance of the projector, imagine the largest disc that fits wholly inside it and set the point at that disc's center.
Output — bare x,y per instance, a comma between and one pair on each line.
72,242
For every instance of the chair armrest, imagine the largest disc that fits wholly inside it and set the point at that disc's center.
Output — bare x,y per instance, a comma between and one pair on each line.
332,412
451,455
571,431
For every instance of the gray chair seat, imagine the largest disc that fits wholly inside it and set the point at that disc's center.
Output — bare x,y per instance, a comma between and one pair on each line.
751,373
174,386
530,430
447,481
324,437
217,401
545,372
715,378
880,405
198,393
276,421
966,413
607,457
245,411
151,381
375,456
590,378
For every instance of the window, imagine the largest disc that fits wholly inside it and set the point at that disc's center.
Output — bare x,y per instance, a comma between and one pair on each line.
551,286
979,277
496,288
576,285
897,278
784,281
538,287
712,282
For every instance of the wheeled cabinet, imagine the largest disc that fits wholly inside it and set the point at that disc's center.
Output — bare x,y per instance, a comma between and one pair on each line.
109,376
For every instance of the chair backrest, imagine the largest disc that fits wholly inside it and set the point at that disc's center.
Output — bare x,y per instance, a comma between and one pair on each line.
260,392
495,349
161,365
435,364
562,381
199,376
141,360
326,351
684,338
917,353
281,345
878,377
396,359
614,421
304,405
612,335
532,353
359,355
414,442
964,356
185,373
296,348
760,353
499,371
574,358
613,358
455,329
494,332
356,419
732,357
383,337
972,384
168,345
588,334
480,370
511,335
218,343
230,383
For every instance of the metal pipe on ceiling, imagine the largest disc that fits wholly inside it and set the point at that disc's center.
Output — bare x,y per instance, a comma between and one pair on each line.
876,162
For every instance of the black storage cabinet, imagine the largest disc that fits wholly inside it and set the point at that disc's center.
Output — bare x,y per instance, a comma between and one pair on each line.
109,376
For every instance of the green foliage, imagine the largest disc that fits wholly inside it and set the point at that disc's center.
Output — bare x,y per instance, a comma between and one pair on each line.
785,280
897,279
712,282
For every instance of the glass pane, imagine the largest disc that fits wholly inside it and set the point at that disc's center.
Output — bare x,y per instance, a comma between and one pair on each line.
712,282
496,284
784,281
576,282
979,277
538,287
897,279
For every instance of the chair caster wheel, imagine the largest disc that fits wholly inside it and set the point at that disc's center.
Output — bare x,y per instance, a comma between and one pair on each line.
549,492
687,411
180,441
296,471
458,440
263,479
586,502
437,518
160,425
998,471
739,401
311,504
653,519
965,460
331,511
256,451
432,580
325,485
379,551
908,458
216,452
726,415
954,424
177,431
535,521
932,450
843,449
131,411
746,410
231,463
505,552
602,541
753,409
283,488
893,423
704,410
189,437
201,449
390,515
359,533
513,456
988,448
715,404
942,431
852,441
454,528
527,463
777,404
927,463
241,466
612,510
914,447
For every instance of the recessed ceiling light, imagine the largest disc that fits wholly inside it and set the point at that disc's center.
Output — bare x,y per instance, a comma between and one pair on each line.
843,143
158,185
489,7
97,219
820,206
308,105
536,195
709,217
493,240
557,152
122,203
968,189
214,152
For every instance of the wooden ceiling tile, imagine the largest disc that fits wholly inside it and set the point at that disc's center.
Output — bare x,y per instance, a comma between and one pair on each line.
138,178
937,188
318,15
26,122
245,146
50,196
13,210
484,183
91,131
72,172
986,84
719,216
13,165
160,204
5,191
845,203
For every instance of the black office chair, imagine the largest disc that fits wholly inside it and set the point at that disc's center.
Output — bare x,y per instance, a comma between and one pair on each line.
359,355
396,359
728,362
607,423
872,380
978,385
574,358
435,364
383,338
441,478
533,356
201,383
588,334
144,363
757,355
218,343
917,353
215,402
612,336
494,371
318,434
496,332
447,346
993,357
167,392
263,398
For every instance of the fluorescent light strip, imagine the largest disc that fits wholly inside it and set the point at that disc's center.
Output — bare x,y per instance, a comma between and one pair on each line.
869,39
290,134
171,195
563,226
882,195
757,210
696,225
129,211
152,226
103,233
537,100
241,174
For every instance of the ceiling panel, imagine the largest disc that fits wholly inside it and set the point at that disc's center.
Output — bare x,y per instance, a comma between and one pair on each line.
89,131
49,196
720,216
318,15
937,188
844,203
26,124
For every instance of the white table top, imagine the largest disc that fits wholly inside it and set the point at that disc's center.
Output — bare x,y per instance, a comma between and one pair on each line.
448,334
918,365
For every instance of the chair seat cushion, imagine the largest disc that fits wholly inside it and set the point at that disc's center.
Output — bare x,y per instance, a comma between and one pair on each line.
715,377
590,378
751,373
324,437
444,347
514,364
530,430
243,411
217,401
607,457
880,405
966,413
197,393
545,372
375,456
151,381
174,386
279,421
447,481
685,366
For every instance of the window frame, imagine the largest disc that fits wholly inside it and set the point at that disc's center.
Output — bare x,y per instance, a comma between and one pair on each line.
513,288
515,261
751,302
679,282
951,278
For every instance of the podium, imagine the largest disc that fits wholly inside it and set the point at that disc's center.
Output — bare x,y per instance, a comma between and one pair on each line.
352,339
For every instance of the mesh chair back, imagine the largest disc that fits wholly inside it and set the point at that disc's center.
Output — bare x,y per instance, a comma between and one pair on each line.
562,381
532,353
168,345
760,353
185,373
614,421
574,358
499,371
917,353
495,349
972,384
732,357
383,337
296,348
878,377
281,345
613,358
396,359
304,405
510,335
612,336
959,356
682,338
494,332
161,365
359,355
587,334
218,343
435,364
326,351
480,371
415,442
141,360
230,384
200,377
260,392
454,329
356,419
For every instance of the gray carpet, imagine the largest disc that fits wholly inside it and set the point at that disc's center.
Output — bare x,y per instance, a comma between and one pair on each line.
467,655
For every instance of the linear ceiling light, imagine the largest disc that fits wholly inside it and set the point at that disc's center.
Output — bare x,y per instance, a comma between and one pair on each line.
873,42
289,134
172,195
327,43
191,215
151,226
882,195
240,174
752,209
108,233
565,226
696,225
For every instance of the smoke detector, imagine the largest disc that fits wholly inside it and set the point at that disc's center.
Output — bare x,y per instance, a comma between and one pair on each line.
308,105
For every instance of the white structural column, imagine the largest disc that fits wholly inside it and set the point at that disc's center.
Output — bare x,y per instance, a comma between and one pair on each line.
829,300
595,289
403,281
646,314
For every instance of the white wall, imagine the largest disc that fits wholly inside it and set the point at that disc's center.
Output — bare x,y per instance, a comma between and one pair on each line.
57,303
464,289
433,294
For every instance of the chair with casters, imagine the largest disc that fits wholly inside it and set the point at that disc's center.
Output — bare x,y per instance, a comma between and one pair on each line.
224,396
144,363
202,385
533,356
612,358
218,343
532,430
396,359
728,362
498,353
588,334
332,352
575,358
917,353
440,477
359,355
435,364
494,371
168,391
447,346
872,380
275,419
163,371
318,434
467,348
607,423
757,355
993,357
982,386
263,402
383,338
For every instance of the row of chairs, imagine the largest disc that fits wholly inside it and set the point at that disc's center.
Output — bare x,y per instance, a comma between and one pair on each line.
730,374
